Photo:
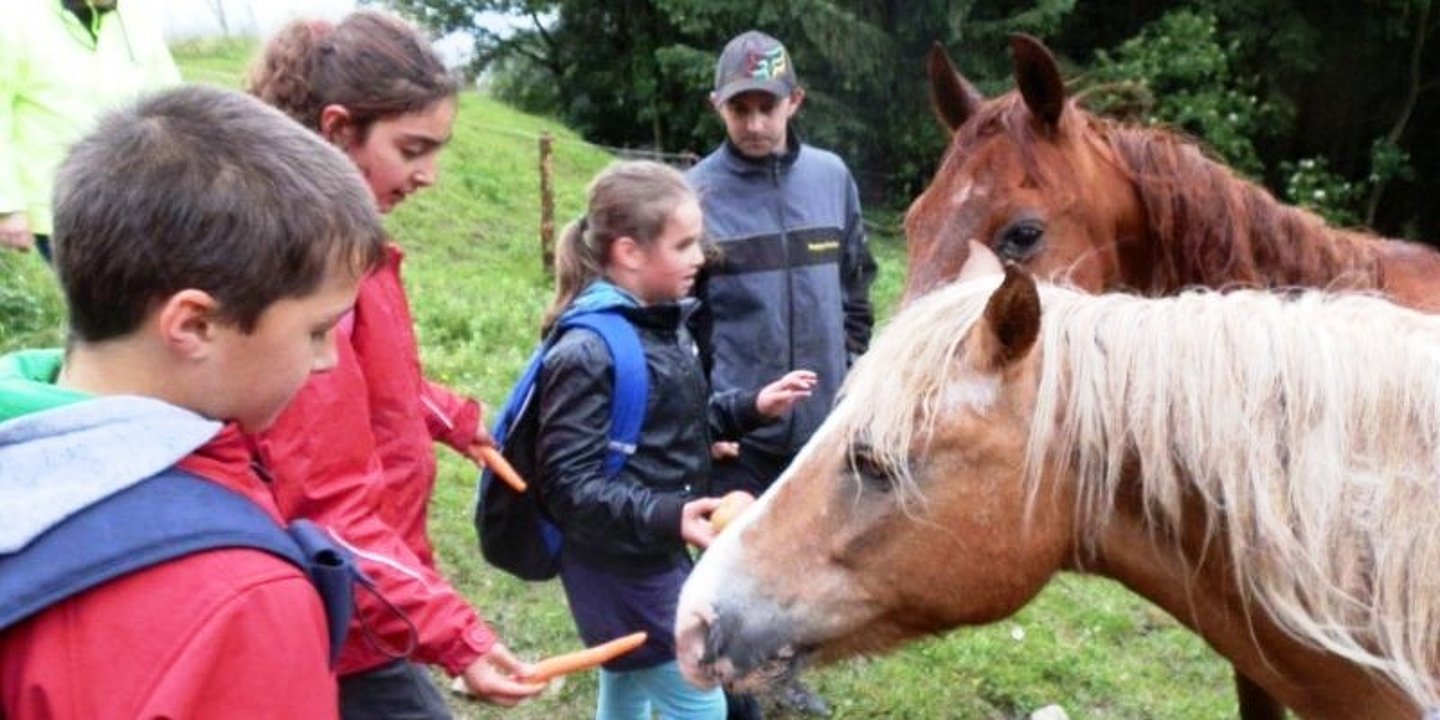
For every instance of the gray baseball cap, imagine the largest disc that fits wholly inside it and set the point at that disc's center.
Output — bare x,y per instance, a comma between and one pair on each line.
754,61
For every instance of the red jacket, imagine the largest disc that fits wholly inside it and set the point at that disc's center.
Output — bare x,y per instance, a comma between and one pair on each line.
354,452
218,635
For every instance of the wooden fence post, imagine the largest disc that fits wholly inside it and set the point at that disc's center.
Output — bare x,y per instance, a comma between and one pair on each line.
547,203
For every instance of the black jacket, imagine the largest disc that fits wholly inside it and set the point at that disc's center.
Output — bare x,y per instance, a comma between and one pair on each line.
631,523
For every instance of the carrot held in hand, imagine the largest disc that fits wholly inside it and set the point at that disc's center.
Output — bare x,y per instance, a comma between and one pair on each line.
496,462
551,668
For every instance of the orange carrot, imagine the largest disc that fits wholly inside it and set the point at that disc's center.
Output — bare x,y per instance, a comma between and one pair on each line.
554,667
497,462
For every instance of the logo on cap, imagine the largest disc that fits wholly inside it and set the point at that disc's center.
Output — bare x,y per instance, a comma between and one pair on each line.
767,65
754,61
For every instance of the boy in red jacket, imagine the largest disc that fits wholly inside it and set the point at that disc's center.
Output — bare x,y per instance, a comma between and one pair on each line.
207,247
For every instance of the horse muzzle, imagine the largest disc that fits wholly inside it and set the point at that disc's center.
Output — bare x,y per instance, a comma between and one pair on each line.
728,630
741,649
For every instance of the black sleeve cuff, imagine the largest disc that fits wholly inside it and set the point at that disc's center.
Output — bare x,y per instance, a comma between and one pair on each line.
668,511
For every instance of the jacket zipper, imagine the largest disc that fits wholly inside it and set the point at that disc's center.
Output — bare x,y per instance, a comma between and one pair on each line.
789,287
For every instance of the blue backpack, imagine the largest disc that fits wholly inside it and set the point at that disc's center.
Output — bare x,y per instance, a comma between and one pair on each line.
516,533
169,516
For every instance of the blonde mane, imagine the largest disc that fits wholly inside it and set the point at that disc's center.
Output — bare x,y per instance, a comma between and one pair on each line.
1306,426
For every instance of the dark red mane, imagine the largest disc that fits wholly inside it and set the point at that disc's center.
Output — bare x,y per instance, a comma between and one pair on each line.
1216,229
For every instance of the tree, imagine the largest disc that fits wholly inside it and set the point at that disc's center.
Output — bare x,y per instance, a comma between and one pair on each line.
1292,92
638,72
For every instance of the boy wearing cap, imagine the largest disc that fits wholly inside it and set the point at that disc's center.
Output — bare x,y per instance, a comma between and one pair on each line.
790,286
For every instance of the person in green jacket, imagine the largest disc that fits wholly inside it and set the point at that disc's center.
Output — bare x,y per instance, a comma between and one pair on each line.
62,64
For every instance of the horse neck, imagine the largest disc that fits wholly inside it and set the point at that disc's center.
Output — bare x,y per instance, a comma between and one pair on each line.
1211,228
1191,578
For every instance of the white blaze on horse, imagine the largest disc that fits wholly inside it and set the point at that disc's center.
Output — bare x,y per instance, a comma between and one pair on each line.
1264,467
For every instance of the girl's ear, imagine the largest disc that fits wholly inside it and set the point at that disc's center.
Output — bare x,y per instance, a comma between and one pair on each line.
627,254
187,322
335,126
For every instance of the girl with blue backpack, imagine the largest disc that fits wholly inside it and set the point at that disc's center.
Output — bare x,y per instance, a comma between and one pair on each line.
625,528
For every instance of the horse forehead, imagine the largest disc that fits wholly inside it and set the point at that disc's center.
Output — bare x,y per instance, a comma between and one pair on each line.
959,189
959,192
971,392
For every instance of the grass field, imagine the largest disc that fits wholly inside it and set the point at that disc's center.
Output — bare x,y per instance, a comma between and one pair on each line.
477,289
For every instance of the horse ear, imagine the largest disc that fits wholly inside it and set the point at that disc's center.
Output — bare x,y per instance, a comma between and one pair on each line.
951,95
1038,77
1012,321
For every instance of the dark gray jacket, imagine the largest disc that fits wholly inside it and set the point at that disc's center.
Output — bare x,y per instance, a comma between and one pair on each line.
631,523
790,287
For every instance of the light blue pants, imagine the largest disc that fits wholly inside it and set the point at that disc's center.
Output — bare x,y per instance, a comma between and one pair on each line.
630,695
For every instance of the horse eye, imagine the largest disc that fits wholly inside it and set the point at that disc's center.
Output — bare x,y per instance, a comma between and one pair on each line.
1020,241
869,470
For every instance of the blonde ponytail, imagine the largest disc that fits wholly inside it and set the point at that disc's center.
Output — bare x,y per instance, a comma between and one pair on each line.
576,265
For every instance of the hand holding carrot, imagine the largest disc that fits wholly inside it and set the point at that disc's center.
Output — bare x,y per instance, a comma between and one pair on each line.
551,668
490,457
499,677
695,521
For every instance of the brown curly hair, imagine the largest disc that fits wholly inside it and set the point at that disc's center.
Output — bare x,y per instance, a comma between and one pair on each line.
372,64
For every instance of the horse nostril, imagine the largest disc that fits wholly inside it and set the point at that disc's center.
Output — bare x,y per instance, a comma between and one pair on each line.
693,647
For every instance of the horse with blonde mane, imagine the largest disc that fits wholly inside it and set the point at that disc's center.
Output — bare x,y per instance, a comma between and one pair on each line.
1264,467
1103,205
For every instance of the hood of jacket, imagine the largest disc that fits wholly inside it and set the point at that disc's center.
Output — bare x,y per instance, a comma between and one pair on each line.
62,451
601,295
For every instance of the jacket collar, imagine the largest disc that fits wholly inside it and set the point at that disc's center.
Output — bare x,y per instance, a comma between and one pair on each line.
669,316
739,163
604,295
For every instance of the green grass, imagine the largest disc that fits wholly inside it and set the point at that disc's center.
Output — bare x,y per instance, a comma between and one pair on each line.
477,290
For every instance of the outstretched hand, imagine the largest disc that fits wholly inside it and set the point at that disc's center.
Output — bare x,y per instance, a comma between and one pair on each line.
494,678
781,395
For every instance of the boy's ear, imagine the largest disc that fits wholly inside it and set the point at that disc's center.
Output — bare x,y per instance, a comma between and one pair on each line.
336,126
627,254
797,98
187,321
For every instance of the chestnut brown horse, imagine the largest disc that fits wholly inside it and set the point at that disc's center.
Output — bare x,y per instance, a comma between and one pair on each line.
1264,467
1101,205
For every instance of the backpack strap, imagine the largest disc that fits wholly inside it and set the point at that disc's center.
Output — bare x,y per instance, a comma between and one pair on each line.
166,517
632,382
516,533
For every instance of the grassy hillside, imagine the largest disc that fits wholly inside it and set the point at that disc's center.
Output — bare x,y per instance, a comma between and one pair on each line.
476,285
